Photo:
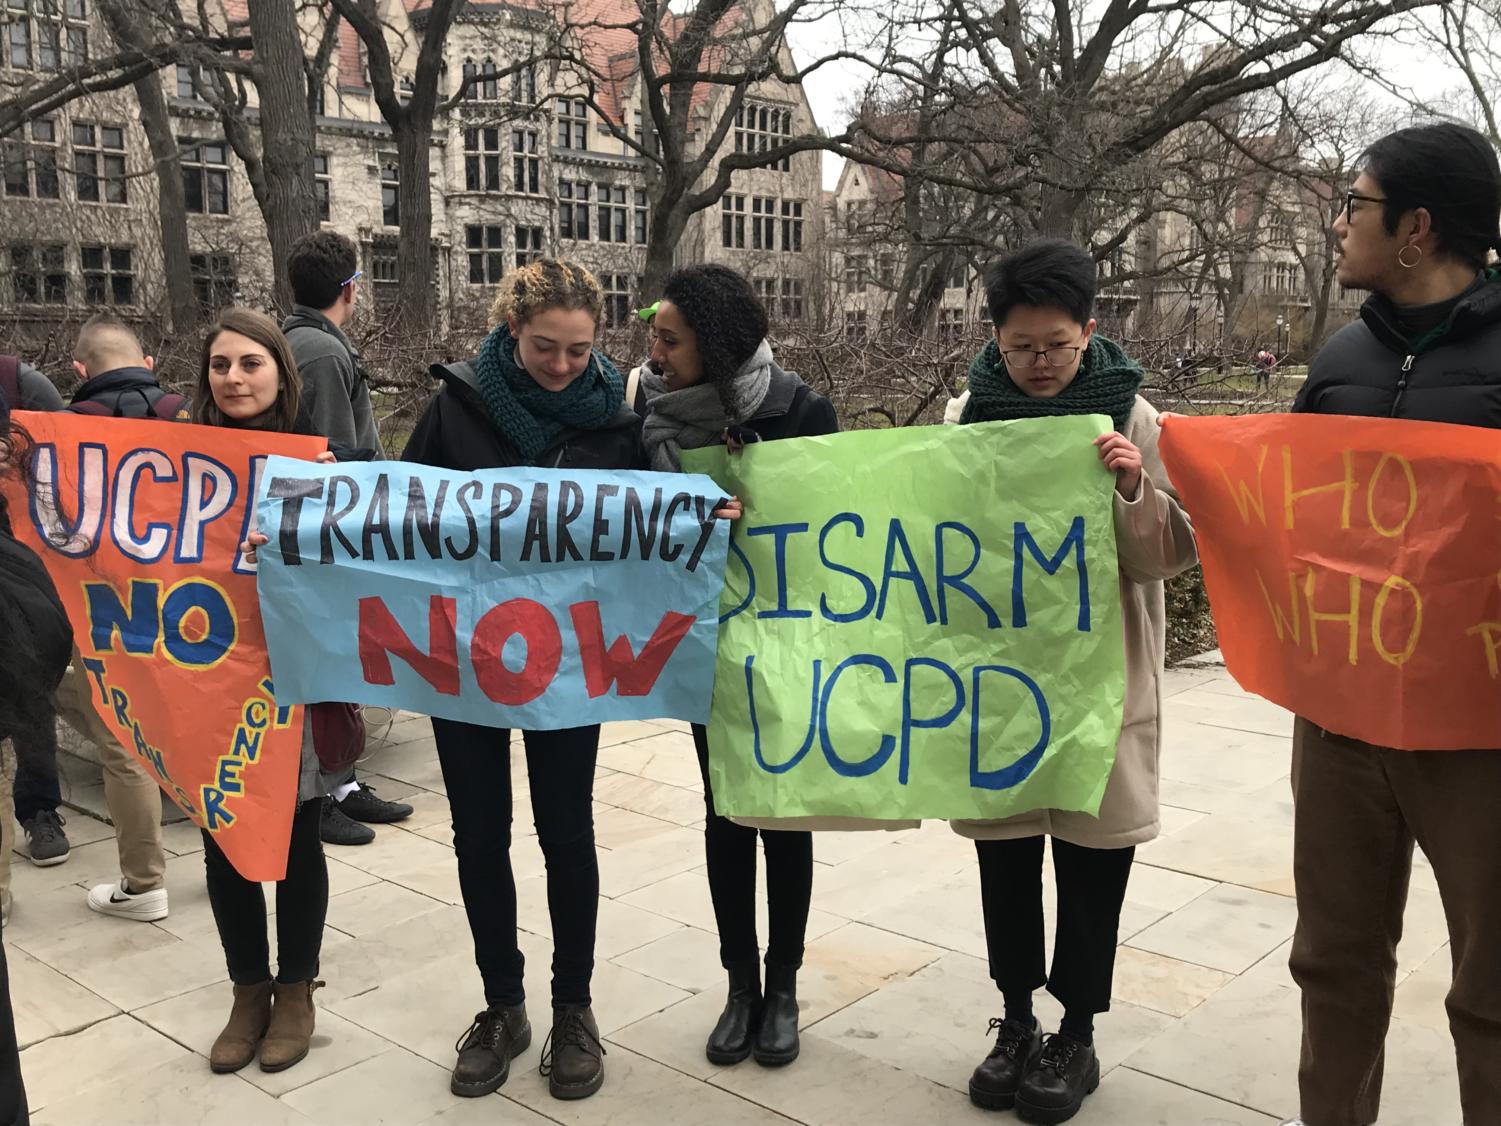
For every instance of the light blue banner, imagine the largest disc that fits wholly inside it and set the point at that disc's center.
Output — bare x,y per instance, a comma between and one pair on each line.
528,598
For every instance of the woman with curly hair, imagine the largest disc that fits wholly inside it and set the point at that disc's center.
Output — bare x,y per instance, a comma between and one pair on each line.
712,379
539,393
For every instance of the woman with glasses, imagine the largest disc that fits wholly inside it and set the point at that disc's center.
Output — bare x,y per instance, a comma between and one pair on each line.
1047,360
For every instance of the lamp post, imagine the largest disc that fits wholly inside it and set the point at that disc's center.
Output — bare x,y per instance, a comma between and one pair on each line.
1279,336
1193,321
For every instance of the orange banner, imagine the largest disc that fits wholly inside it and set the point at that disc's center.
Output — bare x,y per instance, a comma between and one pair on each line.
139,523
1352,566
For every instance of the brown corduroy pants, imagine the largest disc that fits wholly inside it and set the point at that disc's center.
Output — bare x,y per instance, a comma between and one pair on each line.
1359,811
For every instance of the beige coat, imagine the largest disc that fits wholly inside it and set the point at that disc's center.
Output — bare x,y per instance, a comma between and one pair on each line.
1154,541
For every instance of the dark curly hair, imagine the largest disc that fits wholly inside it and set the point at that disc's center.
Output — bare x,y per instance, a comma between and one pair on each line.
726,317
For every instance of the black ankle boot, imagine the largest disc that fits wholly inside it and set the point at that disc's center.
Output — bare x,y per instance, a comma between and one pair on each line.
776,1034
730,1042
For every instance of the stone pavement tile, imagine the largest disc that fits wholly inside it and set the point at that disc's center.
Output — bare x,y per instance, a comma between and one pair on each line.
41,919
1229,929
1178,680
182,838
1242,1045
395,1088
667,756
833,1085
90,863
352,966
675,1037
1163,889
1164,985
81,828
1425,931
654,799
621,997
425,1009
112,1050
833,849
183,1093
685,898
1270,802
414,763
687,958
428,808
1274,967
1233,709
393,850
1131,1098
1219,757
195,1020
1420,998
373,908
884,877
944,913
640,1092
623,870
148,976
935,1022
1175,820
853,961
1255,854
47,1003
437,880
619,828
613,734
496,1110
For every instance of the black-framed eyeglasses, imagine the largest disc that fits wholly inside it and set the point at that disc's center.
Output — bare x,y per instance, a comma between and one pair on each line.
1055,357
1351,198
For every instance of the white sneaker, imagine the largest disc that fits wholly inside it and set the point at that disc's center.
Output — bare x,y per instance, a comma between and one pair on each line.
113,899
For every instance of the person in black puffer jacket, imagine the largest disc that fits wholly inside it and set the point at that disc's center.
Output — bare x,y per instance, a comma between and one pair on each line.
1416,229
712,379
538,394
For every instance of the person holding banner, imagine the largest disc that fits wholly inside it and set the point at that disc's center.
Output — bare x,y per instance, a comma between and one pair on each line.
712,378
1047,360
538,394
248,380
1416,228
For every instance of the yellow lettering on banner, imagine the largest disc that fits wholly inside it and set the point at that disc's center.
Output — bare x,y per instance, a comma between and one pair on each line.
1370,496
1490,634
1280,618
1345,485
1351,618
1396,582
1242,497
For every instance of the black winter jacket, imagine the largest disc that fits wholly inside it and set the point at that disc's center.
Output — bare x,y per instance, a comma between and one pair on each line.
457,432
791,409
126,392
1452,374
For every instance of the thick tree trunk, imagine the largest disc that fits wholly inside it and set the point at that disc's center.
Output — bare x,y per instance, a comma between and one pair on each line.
290,209
667,228
128,29
414,257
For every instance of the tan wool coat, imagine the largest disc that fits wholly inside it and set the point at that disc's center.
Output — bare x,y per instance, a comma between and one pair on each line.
1154,541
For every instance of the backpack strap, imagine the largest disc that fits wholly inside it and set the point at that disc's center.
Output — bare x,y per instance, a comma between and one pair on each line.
10,381
171,406
89,406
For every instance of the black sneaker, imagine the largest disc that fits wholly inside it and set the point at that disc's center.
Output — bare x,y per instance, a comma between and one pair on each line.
573,1057
362,805
46,843
993,1085
336,828
497,1036
1055,1087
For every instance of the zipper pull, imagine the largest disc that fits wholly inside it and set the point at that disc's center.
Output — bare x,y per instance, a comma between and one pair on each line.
1407,363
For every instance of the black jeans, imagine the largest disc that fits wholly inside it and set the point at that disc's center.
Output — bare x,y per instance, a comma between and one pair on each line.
731,852
13,1110
476,764
36,788
301,906
1091,888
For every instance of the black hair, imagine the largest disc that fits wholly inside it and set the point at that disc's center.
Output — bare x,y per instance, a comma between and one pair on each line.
722,309
1451,172
1051,274
318,267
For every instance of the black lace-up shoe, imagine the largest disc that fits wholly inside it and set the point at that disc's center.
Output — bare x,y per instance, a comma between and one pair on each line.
993,1085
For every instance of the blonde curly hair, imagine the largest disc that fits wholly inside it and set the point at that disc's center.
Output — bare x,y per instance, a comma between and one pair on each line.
547,283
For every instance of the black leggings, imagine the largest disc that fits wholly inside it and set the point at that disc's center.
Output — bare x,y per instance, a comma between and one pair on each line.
1091,888
731,852
476,764
301,906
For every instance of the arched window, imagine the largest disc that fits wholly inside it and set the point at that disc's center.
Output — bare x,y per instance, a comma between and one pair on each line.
390,195
469,91
489,89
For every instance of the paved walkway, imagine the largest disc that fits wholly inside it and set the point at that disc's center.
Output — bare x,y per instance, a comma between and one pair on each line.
116,1018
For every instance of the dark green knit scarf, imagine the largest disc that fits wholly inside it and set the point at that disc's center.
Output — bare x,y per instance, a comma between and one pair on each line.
1107,383
531,416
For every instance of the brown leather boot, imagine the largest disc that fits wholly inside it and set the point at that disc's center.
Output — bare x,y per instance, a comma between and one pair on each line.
248,1019
291,1031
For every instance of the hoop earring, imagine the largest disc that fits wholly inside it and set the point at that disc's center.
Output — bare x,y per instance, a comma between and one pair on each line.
1403,262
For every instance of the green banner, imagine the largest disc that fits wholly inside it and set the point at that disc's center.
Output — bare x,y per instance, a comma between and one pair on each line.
918,623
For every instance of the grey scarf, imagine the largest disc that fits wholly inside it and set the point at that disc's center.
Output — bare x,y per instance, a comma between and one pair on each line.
695,416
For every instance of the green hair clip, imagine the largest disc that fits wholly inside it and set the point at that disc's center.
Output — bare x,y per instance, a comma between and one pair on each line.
648,313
